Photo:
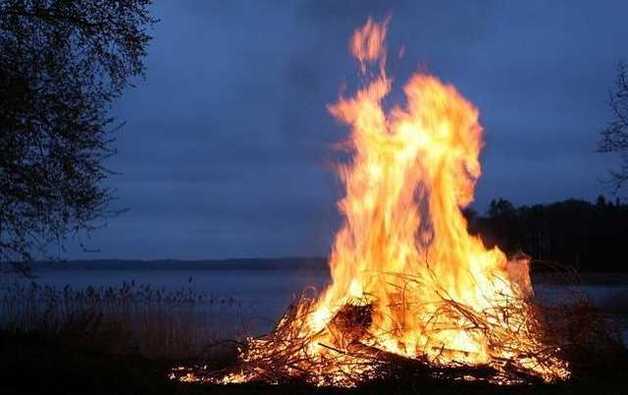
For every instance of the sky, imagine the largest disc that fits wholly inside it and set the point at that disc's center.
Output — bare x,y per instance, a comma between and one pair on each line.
227,150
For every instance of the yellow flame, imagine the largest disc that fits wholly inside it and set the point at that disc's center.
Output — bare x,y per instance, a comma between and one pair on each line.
433,291
404,237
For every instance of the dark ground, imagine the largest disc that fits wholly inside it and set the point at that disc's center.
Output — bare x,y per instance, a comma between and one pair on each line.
43,364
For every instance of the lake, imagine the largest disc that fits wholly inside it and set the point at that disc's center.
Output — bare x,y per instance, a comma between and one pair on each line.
263,289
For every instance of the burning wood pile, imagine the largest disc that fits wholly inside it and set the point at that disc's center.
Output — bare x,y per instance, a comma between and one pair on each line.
412,292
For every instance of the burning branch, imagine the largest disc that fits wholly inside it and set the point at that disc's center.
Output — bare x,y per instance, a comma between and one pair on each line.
413,294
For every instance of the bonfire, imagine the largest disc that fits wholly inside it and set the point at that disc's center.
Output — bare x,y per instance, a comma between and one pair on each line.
412,290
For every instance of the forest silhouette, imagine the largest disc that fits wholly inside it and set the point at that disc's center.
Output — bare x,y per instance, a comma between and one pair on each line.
590,237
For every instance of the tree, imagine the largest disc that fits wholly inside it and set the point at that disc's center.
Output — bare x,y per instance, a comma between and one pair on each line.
501,208
62,64
615,136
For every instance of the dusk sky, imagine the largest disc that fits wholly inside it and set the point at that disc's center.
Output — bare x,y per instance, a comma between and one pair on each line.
227,149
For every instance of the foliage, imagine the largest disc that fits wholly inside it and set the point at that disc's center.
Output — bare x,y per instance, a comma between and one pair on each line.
590,237
615,135
62,63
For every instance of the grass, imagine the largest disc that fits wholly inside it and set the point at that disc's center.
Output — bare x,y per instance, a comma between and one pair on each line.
129,319
124,340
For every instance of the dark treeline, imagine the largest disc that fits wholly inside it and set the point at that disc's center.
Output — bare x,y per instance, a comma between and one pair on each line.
588,236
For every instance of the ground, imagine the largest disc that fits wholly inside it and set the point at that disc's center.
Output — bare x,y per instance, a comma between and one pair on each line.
43,364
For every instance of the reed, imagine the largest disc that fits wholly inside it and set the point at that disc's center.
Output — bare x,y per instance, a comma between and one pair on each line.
126,319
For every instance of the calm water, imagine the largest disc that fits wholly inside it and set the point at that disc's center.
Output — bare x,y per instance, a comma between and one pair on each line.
264,295
260,296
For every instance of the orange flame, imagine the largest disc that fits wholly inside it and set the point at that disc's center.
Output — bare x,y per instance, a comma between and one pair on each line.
367,44
404,236
435,292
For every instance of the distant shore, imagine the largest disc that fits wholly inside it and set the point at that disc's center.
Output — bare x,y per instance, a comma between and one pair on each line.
318,264
297,263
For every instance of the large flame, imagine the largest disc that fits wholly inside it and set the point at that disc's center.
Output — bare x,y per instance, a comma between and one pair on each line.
428,289
413,170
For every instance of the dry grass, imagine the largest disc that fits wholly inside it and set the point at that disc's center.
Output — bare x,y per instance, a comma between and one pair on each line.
129,319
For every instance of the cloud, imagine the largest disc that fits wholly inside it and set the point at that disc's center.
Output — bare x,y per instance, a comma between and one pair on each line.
227,146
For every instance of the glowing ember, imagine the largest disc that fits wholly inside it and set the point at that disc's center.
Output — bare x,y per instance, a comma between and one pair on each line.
410,285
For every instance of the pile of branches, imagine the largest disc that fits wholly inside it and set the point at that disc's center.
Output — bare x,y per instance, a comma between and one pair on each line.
545,337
